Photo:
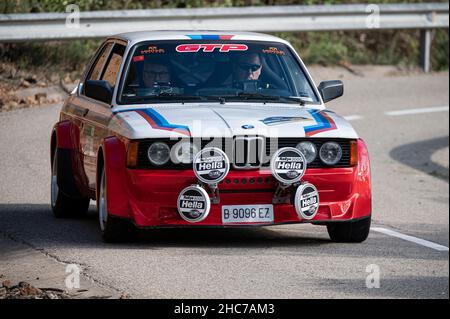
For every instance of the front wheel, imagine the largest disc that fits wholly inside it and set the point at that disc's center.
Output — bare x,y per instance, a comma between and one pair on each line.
349,232
63,205
113,229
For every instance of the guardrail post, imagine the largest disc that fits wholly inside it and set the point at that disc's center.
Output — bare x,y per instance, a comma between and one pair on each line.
425,50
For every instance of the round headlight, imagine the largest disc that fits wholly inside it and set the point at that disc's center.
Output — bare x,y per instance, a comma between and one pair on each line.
330,153
158,153
183,152
309,150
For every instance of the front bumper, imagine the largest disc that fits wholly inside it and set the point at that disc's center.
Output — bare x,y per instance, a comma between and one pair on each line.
149,197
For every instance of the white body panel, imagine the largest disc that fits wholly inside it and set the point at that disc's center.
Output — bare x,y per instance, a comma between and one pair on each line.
228,120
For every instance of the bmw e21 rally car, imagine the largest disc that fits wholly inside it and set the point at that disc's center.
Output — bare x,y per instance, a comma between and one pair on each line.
175,129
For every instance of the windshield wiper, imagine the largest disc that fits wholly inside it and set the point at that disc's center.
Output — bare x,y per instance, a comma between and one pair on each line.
246,96
265,97
298,99
166,96
220,99
180,96
257,96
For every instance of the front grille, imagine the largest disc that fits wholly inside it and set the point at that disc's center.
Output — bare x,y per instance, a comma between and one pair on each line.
255,151
248,152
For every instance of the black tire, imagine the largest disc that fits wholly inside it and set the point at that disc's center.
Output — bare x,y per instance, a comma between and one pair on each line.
114,229
64,206
349,232
118,231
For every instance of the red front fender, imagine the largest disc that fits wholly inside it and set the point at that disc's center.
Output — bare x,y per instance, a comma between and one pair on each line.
114,163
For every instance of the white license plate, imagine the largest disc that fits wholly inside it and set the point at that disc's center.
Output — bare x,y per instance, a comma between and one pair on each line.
247,214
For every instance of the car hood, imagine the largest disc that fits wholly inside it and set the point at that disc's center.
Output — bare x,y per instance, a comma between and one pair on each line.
228,120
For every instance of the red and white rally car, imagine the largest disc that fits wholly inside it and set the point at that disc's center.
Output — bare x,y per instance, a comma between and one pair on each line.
173,129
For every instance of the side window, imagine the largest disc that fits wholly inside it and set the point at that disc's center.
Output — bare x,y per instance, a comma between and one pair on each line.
113,65
98,65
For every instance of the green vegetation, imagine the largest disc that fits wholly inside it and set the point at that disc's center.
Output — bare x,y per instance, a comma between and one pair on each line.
397,47
50,57
21,6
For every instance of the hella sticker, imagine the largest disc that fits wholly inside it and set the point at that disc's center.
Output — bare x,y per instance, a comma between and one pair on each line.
193,204
211,165
288,165
306,201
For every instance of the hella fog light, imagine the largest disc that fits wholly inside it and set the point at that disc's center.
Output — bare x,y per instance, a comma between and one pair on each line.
211,165
288,165
193,204
306,201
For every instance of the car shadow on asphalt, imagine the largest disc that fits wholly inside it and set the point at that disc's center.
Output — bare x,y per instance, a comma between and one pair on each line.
36,225
418,156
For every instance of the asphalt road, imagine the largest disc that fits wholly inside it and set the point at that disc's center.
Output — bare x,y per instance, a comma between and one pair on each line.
409,154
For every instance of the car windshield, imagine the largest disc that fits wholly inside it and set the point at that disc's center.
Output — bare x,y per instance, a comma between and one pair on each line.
221,70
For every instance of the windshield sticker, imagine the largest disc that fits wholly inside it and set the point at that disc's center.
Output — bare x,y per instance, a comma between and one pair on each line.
138,58
209,37
210,47
152,50
273,50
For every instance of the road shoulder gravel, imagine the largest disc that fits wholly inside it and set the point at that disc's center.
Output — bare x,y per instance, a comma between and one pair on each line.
20,262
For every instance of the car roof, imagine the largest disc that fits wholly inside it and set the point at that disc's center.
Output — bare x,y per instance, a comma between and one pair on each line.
139,36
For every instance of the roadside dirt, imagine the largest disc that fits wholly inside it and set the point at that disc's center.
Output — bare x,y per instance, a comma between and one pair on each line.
24,290
29,272
23,89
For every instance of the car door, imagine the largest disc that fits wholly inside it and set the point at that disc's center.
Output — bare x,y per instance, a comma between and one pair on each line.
98,114
77,107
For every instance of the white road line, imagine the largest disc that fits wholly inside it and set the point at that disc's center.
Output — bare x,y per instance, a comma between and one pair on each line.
416,240
418,111
353,117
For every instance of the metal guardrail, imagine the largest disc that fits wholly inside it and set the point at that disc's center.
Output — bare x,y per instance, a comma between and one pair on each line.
52,26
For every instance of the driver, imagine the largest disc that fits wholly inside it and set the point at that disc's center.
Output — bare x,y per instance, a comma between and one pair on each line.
155,71
247,67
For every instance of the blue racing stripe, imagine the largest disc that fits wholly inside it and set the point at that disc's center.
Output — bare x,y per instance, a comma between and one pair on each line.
322,122
209,36
162,122
159,120
203,36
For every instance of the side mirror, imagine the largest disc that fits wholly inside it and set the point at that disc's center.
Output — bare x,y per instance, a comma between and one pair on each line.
330,90
98,90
